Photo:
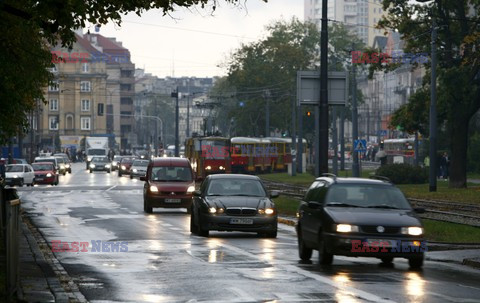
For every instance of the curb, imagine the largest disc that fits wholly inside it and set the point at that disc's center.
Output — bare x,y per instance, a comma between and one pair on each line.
474,262
60,283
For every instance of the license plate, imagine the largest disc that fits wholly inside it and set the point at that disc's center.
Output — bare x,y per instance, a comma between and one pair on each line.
38,179
241,221
172,200
381,242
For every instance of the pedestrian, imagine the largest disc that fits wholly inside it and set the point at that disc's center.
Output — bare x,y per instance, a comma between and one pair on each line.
447,166
426,162
443,165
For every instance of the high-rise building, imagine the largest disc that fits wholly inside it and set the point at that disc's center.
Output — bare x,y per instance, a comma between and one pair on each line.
360,16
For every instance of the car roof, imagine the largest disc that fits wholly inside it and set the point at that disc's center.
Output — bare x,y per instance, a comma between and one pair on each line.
170,161
233,176
49,163
46,158
353,181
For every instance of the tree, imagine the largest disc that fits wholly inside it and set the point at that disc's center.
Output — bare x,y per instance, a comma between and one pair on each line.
458,80
31,26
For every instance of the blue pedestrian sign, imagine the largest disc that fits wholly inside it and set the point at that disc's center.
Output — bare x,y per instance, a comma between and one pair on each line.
382,132
360,145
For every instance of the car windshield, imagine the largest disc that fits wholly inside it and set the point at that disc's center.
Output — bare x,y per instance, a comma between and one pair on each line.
99,160
60,160
92,152
47,160
236,187
366,195
171,174
126,161
140,163
40,167
14,169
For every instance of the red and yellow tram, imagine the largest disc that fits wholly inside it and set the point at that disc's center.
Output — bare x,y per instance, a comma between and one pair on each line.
208,155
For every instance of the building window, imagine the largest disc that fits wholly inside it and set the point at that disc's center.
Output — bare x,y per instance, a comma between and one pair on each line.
85,68
126,101
53,105
53,123
85,123
85,86
69,122
125,87
53,87
85,105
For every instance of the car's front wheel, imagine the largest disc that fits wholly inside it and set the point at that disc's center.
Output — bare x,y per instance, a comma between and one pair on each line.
324,257
201,231
146,208
193,226
304,252
387,260
91,171
415,262
20,183
131,177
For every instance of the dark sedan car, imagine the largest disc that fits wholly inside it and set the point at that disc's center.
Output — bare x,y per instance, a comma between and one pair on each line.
233,203
100,164
359,217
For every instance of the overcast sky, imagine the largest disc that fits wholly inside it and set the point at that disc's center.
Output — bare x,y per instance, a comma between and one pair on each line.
194,42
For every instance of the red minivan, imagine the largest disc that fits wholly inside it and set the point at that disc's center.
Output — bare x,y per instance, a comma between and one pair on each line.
169,183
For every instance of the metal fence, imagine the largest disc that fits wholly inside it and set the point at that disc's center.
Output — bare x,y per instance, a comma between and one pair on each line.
10,225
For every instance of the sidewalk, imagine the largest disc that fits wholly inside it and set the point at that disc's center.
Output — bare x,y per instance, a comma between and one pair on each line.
40,279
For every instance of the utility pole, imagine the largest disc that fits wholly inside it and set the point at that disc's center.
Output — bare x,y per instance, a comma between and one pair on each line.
355,167
294,166
177,147
334,141
433,111
266,95
317,142
342,139
322,151
300,140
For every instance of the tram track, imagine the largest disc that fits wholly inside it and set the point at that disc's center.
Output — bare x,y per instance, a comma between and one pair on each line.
453,212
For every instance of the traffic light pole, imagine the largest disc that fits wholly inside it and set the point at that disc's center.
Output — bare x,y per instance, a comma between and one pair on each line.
177,139
322,134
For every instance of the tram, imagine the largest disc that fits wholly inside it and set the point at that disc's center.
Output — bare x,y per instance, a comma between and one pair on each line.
208,155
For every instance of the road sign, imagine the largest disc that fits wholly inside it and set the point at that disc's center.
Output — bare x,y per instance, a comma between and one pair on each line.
308,88
360,145
382,132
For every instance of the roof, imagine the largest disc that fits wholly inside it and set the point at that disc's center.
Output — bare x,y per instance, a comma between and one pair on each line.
170,161
353,180
233,176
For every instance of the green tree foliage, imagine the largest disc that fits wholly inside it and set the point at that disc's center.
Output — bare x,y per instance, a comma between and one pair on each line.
458,80
29,27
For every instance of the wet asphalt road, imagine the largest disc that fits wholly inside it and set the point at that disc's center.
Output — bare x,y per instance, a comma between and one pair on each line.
164,263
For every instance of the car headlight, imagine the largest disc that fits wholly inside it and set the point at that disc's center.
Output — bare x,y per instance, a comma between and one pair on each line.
114,163
15,176
124,167
92,165
134,170
107,165
153,189
208,167
266,211
412,231
62,166
191,189
49,175
67,166
89,159
212,210
221,167
346,228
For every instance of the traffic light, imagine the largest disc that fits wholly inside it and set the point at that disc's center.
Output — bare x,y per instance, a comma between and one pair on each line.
309,113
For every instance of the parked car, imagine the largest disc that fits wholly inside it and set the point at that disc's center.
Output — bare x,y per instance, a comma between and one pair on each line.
68,163
19,174
359,217
169,183
100,164
139,168
20,161
233,203
125,165
45,173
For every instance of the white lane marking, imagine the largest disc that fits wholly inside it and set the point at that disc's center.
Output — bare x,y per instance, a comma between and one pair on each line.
242,295
175,228
355,292
109,189
167,224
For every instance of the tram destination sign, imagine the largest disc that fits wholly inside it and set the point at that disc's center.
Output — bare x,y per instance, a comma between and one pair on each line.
308,88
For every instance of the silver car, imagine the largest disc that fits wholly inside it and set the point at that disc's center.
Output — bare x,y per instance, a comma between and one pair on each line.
139,168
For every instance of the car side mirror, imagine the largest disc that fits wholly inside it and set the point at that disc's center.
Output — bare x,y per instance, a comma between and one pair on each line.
143,178
274,194
197,193
419,210
314,204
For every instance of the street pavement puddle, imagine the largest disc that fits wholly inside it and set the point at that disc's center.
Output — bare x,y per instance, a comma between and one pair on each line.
226,257
269,273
